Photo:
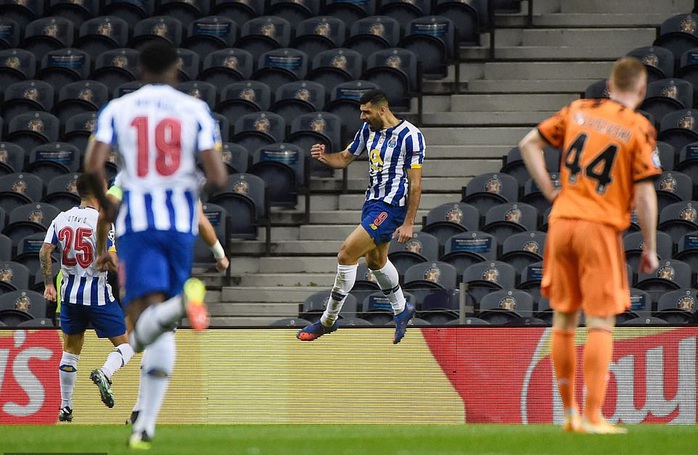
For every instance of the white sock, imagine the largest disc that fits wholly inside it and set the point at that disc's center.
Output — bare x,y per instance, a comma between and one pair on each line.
117,359
68,372
389,282
156,320
343,282
158,364
139,398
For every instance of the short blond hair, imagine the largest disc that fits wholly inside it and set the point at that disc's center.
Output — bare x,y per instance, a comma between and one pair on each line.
627,73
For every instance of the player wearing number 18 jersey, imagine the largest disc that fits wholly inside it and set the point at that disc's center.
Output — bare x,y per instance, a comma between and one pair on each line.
609,162
158,133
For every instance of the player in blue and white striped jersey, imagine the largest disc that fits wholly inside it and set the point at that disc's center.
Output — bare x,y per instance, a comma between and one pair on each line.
158,132
86,296
396,150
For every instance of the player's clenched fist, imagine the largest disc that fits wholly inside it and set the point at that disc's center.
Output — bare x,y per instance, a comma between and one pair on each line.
317,151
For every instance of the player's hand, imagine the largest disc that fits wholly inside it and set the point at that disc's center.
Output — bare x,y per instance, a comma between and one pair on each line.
222,264
105,262
648,262
403,233
50,292
109,210
317,151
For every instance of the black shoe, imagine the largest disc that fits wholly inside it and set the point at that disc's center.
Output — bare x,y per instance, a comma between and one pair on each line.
132,418
104,384
65,414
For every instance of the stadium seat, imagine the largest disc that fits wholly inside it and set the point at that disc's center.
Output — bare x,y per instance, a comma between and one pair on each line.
244,199
33,129
16,65
372,34
533,196
77,129
235,157
678,307
679,128
687,249
28,249
164,28
223,125
395,70
671,274
126,88
23,12
12,158
640,306
422,247
643,321
679,219
667,155
19,189
13,276
62,192
11,33
433,39
514,164
523,249
365,284
440,306
422,279
75,11
51,160
336,66
63,66
658,61
210,34
317,127
633,244
36,323
530,281
468,248
349,12
29,219
294,99
201,90
115,67
597,90
405,12
667,95
294,11
376,308
80,97
224,67
673,187
505,220
188,64
22,305
449,219
240,11
280,66
242,98
484,277
47,34
129,11
25,96
314,305
487,190
252,131
678,34
291,322
317,34
502,307
263,34
185,11
687,163
282,166
470,17
101,34
5,242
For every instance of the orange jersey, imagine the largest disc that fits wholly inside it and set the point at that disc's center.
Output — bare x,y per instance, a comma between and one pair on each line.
606,148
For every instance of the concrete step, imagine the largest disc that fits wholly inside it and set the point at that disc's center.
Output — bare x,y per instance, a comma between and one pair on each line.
665,7
429,184
486,118
268,294
322,280
574,37
255,308
427,202
290,247
601,19
348,217
212,296
300,265
547,70
509,102
528,86
437,168
337,232
563,53
468,151
473,136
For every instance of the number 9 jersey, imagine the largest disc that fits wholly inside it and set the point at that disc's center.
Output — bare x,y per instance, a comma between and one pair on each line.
158,132
607,148
74,232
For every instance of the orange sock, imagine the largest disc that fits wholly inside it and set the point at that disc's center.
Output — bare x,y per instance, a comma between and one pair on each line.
565,363
597,356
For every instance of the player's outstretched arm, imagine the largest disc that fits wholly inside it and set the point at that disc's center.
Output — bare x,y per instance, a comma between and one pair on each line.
45,261
208,235
334,160
531,147
646,205
405,232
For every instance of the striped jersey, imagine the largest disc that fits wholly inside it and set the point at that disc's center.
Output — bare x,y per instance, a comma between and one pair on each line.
391,152
74,232
158,132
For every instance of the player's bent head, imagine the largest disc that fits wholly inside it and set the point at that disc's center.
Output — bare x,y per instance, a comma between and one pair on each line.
377,98
84,185
157,58
628,75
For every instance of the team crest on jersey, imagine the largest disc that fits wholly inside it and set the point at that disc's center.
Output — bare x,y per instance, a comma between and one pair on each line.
20,186
323,29
35,125
262,124
687,122
3,156
668,184
531,247
432,274
393,61
32,93
12,62
37,216
667,273
670,91
318,124
377,29
23,303
650,60
6,275
688,214
508,303
413,246
105,29
513,216
160,29
51,30
491,274
248,94
241,187
120,61
493,185
339,61
302,94
455,215
392,143
688,25
686,303
268,29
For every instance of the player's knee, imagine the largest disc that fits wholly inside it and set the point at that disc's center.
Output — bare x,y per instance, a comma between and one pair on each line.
375,263
344,258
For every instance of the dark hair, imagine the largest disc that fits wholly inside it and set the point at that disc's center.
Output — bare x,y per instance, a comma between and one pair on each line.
84,186
373,97
157,57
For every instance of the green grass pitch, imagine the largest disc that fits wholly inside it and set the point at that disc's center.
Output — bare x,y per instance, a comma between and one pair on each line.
351,439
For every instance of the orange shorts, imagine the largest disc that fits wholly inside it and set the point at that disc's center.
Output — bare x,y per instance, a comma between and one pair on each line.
584,267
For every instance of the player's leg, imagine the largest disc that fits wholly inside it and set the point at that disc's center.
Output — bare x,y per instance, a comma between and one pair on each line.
389,281
73,324
353,248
